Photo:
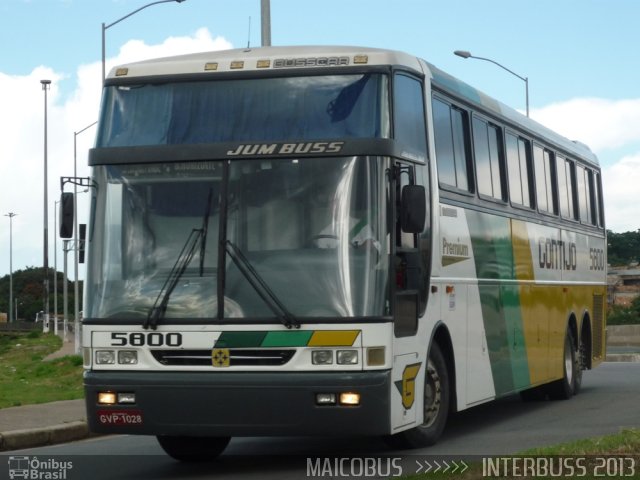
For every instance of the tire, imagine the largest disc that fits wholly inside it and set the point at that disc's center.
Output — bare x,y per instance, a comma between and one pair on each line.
571,380
437,397
582,363
193,449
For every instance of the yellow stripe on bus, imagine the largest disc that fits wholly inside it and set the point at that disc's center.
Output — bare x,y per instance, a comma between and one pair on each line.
333,338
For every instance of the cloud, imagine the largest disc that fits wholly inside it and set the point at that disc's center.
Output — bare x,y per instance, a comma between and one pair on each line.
621,182
610,129
22,141
600,123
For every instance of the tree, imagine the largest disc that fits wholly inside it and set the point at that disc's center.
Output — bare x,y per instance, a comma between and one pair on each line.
623,248
28,291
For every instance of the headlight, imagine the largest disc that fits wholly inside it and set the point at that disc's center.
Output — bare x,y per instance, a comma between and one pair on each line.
322,357
347,357
105,357
127,357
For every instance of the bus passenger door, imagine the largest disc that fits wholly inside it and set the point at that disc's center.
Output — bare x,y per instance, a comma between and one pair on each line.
407,285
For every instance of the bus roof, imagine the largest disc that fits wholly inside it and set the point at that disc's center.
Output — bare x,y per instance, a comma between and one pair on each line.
296,57
266,58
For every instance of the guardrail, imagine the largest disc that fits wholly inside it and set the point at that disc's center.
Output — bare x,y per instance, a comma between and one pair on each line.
19,326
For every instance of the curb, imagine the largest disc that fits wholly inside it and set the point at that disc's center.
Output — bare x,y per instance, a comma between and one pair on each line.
37,437
623,357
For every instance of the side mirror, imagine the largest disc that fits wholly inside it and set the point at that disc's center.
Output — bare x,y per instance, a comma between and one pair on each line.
413,209
66,215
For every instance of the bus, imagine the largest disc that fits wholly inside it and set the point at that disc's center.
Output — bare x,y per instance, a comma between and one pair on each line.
335,241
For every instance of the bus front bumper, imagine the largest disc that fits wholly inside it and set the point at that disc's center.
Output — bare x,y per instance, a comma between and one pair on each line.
238,403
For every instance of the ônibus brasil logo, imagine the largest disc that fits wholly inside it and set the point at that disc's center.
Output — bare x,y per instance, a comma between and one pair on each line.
35,469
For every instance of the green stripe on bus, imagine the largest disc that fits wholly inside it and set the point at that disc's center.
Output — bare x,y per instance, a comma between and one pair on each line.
287,339
264,339
240,339
501,314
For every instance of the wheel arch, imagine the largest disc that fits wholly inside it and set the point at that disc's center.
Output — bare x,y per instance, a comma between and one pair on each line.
585,343
442,337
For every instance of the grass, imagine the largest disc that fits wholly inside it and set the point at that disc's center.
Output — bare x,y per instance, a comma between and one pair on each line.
595,451
26,378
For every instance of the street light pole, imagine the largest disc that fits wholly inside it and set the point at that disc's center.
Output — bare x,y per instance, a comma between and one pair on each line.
45,87
265,22
11,215
55,266
465,54
105,27
65,297
76,288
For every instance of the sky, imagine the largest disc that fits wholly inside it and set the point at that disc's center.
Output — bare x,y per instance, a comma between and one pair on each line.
577,55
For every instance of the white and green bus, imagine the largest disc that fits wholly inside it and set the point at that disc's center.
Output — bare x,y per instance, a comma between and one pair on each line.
329,241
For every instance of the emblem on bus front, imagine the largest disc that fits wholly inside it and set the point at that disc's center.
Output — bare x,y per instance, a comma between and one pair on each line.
220,357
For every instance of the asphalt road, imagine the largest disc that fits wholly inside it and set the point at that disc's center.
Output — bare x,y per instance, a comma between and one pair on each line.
607,403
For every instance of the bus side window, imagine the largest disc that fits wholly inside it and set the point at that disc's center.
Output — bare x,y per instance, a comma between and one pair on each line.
520,172
598,202
546,196
566,186
408,110
489,157
585,195
452,153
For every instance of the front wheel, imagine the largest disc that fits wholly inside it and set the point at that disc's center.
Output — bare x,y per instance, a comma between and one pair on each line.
437,396
193,449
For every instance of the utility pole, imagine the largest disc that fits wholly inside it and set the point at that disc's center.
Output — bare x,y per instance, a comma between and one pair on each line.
11,215
265,19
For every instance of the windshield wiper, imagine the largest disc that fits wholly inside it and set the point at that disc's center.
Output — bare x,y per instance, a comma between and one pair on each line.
260,286
159,308
205,230
198,236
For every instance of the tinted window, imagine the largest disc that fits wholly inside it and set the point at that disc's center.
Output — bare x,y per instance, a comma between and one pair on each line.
488,156
449,124
519,165
262,109
543,164
566,186
408,109
586,196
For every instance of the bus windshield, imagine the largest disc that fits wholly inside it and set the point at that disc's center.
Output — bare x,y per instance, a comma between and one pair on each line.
262,109
314,230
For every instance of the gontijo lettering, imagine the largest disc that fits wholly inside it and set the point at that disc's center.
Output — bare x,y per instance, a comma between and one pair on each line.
556,254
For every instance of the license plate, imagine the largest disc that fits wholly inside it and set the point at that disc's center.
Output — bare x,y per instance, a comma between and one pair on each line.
119,417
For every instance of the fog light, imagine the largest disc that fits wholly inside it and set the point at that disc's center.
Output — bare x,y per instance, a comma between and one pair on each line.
325,398
350,398
128,357
106,398
105,357
347,357
126,398
322,357
375,356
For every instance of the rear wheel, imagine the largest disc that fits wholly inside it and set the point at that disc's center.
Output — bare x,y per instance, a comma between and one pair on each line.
437,396
569,384
193,449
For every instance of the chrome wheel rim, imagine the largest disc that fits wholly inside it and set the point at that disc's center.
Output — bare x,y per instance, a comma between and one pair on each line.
568,362
432,395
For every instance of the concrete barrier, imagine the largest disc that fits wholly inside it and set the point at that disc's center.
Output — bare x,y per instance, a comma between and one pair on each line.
623,335
36,437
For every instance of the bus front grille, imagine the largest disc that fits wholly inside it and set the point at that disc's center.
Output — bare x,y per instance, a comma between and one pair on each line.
237,357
